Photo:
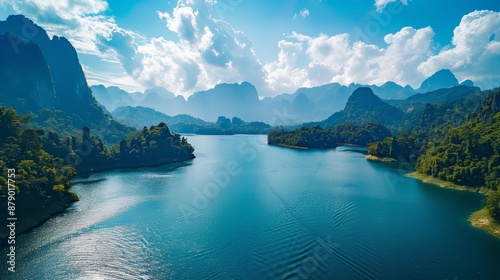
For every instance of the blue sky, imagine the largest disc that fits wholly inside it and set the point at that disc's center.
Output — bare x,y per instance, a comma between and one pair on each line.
279,46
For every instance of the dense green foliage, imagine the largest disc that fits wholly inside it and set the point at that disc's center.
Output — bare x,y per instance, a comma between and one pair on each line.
67,124
470,154
493,206
154,145
44,161
317,137
151,144
467,154
41,180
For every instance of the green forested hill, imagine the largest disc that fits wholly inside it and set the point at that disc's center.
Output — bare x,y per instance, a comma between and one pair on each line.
317,137
467,154
362,107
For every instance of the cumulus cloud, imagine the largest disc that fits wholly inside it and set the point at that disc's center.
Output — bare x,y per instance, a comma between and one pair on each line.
209,51
283,75
381,4
475,50
338,59
81,21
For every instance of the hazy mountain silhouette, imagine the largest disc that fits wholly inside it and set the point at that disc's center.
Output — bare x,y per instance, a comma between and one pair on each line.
441,79
239,100
145,116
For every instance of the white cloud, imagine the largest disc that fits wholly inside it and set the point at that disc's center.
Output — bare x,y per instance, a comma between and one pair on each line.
118,77
381,4
208,52
338,59
183,22
303,13
475,50
283,75
81,21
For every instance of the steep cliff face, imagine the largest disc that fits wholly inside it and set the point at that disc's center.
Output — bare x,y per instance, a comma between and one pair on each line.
24,75
362,107
69,79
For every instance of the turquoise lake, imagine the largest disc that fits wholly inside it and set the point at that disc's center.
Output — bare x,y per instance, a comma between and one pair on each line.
246,210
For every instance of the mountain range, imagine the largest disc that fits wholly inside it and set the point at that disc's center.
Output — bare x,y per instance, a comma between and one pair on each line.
242,100
41,73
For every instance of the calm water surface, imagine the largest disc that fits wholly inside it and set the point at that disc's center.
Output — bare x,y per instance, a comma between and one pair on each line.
245,210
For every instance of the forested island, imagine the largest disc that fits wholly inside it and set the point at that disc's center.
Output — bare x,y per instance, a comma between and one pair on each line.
319,138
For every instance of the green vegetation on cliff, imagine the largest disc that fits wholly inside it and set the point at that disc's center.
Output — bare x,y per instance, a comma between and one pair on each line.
467,154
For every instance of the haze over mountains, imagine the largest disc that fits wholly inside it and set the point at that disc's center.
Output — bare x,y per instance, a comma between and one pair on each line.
39,72
242,100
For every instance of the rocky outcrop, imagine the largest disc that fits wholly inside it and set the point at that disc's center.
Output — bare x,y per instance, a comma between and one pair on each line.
69,80
24,75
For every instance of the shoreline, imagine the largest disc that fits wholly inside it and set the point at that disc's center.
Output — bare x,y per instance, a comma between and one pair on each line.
375,158
479,219
289,146
125,165
60,206
45,213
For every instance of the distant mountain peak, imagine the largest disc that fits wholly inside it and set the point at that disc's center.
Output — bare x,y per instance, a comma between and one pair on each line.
443,78
468,83
363,95
67,74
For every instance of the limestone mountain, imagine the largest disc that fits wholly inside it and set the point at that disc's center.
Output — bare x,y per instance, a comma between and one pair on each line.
362,107
239,100
441,79
69,80
43,76
24,75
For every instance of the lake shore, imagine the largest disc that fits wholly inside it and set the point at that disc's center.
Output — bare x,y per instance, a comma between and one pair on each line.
480,219
134,164
375,158
289,146
35,217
